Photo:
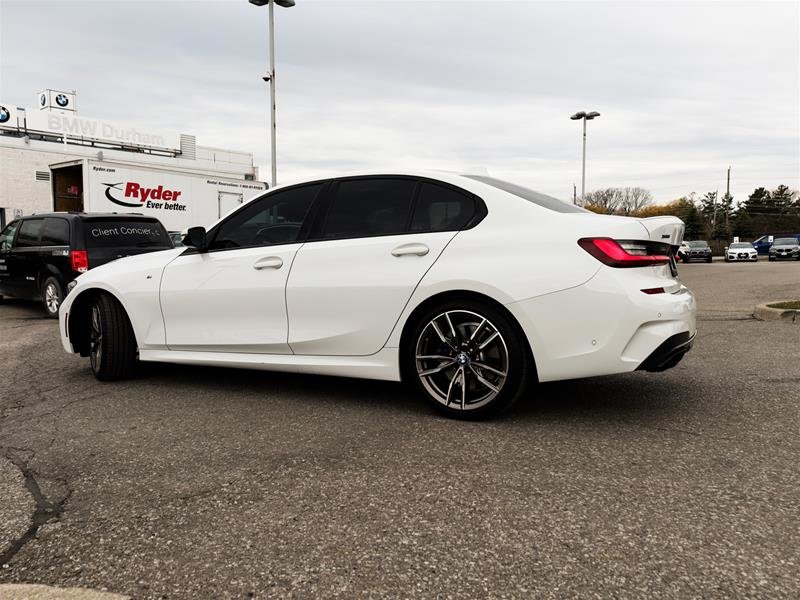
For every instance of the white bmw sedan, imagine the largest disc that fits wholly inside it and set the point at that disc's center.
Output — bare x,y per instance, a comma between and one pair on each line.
468,286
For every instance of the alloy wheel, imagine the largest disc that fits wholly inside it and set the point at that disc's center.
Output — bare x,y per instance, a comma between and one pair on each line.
51,299
95,339
462,360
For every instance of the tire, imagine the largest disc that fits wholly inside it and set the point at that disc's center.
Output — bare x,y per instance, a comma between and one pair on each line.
112,344
52,296
496,374
770,259
708,260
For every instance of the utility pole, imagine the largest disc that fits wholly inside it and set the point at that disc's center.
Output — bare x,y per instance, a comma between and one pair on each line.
728,190
714,215
574,194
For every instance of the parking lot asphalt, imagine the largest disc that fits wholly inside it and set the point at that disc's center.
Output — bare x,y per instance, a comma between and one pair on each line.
207,483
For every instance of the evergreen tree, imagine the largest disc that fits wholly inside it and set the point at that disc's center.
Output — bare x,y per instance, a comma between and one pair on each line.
708,208
758,203
781,199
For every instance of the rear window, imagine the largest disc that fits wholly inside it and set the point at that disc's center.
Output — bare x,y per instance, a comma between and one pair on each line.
56,232
109,233
441,209
538,198
29,233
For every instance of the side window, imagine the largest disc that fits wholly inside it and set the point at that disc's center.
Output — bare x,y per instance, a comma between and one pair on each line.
7,236
369,207
275,219
441,209
56,232
29,233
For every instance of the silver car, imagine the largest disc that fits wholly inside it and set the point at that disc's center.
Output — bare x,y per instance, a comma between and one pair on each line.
785,249
744,251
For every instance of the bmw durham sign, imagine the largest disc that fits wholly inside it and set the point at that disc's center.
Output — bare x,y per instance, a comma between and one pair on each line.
62,100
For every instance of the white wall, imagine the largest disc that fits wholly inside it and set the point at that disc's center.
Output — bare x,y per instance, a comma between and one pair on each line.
18,186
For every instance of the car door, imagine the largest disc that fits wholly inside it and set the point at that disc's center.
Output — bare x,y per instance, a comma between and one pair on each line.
25,259
351,280
8,284
232,297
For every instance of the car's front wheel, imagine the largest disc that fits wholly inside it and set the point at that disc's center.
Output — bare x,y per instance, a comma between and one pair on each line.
112,344
52,295
469,359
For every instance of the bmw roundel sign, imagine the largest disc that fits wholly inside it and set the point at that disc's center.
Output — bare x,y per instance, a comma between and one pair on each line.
62,100
42,99
5,115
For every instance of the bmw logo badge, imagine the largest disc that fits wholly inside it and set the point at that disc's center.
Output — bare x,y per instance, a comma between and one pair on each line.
4,114
62,100
42,99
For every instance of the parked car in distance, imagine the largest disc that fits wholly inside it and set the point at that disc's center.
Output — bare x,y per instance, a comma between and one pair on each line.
41,255
697,250
468,287
785,248
741,251
763,244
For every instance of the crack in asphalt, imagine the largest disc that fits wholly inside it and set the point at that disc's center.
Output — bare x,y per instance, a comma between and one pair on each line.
47,511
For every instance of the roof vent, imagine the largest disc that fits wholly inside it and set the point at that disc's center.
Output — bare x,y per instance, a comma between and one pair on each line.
188,147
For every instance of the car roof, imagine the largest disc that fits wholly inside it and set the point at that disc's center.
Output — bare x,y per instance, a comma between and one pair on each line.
85,215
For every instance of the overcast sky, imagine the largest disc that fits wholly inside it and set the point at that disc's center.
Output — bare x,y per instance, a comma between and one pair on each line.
685,89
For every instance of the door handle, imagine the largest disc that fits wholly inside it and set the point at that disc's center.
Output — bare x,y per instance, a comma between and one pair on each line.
411,250
268,262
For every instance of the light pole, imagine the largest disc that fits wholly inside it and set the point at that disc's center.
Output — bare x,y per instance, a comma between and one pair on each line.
270,77
586,117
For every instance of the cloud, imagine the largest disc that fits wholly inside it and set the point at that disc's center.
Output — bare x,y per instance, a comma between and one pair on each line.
685,89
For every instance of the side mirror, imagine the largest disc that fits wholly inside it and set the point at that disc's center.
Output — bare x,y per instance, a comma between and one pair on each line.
196,238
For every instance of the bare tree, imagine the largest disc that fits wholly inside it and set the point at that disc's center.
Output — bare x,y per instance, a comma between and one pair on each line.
607,199
619,200
633,199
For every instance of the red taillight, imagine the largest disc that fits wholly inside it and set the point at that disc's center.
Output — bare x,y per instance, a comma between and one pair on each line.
652,291
622,253
80,260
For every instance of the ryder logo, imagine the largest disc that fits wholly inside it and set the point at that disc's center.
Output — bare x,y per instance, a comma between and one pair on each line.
156,197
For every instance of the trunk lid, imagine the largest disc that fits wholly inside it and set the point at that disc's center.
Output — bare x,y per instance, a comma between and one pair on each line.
667,230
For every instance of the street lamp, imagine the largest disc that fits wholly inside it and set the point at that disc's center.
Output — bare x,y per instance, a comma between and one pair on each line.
270,77
586,117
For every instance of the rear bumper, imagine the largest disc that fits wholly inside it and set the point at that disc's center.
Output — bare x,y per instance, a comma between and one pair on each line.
607,325
669,353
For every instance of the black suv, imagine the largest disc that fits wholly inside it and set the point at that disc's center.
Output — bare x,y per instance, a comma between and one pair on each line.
41,254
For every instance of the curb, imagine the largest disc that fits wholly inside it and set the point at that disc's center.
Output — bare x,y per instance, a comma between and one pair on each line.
763,312
22,591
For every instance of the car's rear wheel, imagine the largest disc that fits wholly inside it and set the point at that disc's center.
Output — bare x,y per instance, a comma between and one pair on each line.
112,344
468,359
52,295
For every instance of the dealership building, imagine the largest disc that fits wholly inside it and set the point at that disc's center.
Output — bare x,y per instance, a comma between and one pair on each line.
53,159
